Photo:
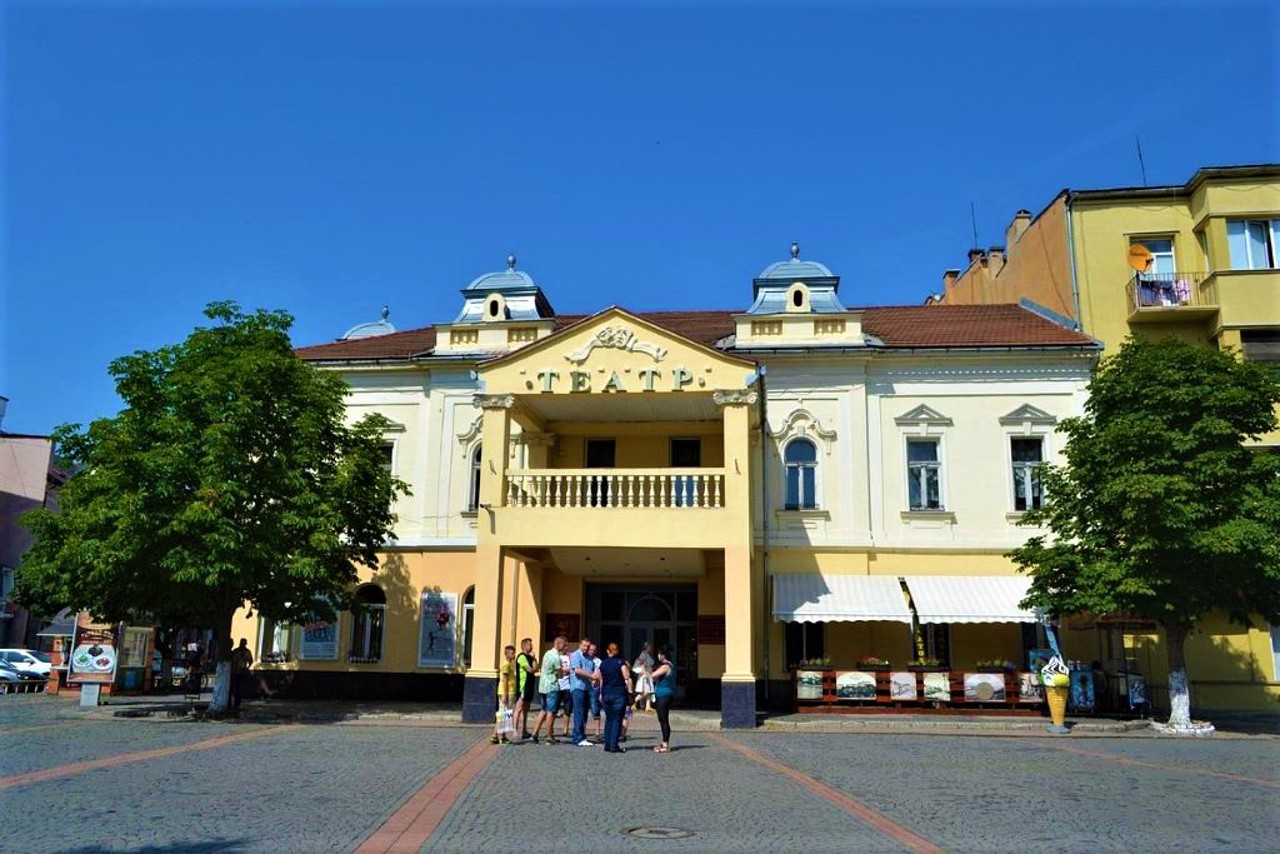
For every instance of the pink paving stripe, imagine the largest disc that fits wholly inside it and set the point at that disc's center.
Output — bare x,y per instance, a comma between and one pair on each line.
1184,769
126,758
411,826
909,838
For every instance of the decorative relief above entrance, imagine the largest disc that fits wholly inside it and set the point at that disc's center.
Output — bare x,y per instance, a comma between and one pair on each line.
493,401
738,397
616,338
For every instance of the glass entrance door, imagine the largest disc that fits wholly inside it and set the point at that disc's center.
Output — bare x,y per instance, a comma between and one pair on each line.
633,615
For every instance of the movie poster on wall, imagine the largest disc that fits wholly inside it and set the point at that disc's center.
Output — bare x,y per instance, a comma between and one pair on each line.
319,641
437,646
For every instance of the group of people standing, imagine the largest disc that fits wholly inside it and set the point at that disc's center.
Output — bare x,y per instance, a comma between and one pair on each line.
579,685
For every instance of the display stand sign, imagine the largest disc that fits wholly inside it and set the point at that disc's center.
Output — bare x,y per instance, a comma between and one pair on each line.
437,641
90,694
93,653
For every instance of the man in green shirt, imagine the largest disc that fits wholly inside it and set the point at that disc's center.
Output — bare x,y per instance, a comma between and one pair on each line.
526,685
548,689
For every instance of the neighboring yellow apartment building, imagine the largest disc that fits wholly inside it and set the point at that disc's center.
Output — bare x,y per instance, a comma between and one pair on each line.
797,480
1200,261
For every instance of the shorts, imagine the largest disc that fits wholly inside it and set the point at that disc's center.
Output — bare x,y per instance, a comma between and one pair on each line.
550,700
596,704
566,702
529,692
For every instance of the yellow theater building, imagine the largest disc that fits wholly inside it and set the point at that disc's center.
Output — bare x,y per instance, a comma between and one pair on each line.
1200,261
794,481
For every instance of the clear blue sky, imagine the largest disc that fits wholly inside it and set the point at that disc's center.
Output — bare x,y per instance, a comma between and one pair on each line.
328,158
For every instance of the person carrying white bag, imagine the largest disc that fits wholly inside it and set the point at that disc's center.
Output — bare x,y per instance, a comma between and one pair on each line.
504,723
643,670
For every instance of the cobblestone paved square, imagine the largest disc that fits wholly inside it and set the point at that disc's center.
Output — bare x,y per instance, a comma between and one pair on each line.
83,781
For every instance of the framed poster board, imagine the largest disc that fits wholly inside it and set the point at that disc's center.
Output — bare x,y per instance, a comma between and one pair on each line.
569,625
94,654
438,630
319,641
984,688
902,686
855,685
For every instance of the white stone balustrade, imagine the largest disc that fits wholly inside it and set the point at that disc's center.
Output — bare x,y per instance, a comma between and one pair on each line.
616,488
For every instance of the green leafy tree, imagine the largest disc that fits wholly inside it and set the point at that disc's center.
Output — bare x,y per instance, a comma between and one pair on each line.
1161,510
230,477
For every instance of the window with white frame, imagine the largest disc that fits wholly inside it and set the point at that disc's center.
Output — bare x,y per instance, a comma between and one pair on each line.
468,621
275,641
1027,455
1162,259
369,613
1253,243
473,482
801,459
924,475
1275,653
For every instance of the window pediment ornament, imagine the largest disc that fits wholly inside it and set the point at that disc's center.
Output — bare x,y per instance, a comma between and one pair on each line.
616,338
392,426
1028,414
923,415
803,423
471,434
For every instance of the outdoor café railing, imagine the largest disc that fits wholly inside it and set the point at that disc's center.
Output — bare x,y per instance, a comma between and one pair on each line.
1167,290
616,488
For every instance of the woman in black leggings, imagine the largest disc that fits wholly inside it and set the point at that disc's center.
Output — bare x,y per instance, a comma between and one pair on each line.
664,691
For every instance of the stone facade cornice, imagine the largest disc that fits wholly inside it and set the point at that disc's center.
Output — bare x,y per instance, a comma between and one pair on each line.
493,401
734,397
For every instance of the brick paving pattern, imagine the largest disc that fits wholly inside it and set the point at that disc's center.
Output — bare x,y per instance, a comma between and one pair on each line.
331,787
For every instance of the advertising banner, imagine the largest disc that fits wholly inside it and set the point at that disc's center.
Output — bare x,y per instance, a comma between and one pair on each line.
437,645
93,653
319,641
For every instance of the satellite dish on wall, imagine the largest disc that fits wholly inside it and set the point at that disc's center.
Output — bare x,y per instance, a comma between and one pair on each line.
1140,257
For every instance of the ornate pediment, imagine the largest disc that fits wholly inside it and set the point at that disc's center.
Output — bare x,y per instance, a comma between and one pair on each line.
1028,414
923,415
803,423
392,426
471,434
616,338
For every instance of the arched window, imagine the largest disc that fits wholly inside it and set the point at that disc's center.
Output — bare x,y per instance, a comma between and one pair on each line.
473,489
801,457
369,612
468,618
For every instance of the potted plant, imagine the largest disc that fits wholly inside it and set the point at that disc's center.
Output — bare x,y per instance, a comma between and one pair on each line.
872,662
814,664
995,665
926,665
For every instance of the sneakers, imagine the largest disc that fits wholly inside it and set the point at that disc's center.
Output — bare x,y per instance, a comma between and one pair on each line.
585,743
534,739
494,740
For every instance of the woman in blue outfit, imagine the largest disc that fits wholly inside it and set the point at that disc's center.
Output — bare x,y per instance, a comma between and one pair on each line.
615,690
664,691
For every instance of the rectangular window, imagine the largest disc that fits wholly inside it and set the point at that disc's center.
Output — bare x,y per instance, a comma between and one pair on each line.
805,642
1275,653
924,474
601,454
1263,346
275,641
685,454
1253,243
1162,260
1027,456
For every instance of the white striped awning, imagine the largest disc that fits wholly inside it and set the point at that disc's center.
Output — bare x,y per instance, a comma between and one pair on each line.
809,597
970,598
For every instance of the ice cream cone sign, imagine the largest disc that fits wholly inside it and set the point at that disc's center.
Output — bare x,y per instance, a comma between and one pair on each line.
1057,681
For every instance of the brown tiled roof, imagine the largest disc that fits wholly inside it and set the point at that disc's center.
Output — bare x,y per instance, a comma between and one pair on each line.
896,326
967,326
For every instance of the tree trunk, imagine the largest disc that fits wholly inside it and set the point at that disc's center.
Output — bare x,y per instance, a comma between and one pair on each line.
1179,688
221,697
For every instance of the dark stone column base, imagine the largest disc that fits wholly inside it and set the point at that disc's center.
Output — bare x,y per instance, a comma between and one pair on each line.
737,705
479,699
